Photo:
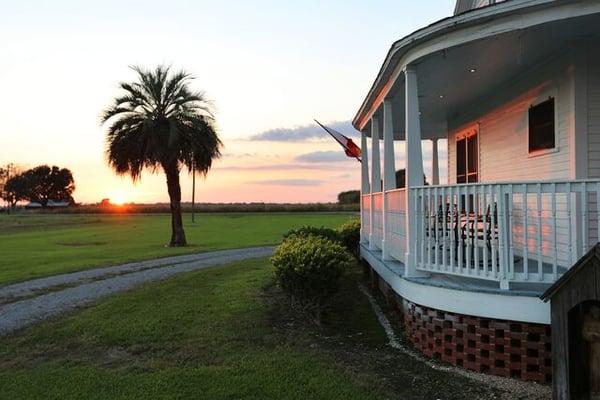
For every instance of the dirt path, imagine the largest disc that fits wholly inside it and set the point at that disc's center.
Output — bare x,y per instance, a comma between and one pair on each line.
31,301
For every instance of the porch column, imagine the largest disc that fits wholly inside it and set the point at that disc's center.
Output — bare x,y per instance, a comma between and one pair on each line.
389,172
375,175
435,166
365,186
414,168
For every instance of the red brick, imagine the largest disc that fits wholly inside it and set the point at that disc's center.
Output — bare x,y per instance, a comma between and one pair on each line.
499,347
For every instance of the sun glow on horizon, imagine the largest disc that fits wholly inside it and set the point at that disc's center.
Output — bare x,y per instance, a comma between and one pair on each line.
118,198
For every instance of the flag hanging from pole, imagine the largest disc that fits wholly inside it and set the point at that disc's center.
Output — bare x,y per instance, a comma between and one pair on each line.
350,148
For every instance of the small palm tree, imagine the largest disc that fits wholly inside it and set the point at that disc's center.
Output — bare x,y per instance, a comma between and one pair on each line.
159,122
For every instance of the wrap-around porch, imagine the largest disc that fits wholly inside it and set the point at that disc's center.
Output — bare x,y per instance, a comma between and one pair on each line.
523,218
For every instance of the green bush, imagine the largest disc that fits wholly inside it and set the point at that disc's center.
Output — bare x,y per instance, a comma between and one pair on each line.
309,269
349,233
326,233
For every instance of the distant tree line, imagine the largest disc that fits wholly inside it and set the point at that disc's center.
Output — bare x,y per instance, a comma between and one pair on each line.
349,197
40,185
353,196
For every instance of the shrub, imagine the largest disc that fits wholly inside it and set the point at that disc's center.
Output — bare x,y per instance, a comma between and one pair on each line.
309,269
349,234
305,231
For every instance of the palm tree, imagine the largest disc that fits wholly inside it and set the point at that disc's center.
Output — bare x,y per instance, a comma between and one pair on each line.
159,122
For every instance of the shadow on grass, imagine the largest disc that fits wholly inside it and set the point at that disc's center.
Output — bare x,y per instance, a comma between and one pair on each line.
351,335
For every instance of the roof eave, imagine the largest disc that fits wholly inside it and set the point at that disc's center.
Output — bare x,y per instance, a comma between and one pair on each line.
432,31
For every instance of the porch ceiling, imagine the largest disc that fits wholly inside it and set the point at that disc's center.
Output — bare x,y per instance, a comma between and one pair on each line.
452,79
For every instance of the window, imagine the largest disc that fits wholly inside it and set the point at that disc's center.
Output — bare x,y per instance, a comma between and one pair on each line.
466,159
541,126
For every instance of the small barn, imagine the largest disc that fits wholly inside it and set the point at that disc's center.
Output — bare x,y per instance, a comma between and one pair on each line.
575,318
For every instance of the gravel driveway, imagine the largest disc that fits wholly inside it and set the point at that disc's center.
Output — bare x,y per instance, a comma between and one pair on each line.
31,301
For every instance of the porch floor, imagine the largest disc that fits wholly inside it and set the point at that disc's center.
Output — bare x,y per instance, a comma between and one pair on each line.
532,289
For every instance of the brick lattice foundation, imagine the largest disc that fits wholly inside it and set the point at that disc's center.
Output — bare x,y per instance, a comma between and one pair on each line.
497,347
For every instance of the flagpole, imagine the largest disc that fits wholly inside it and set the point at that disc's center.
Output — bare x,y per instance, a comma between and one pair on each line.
334,138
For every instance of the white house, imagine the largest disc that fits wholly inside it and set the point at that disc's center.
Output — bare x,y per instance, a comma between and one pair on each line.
514,88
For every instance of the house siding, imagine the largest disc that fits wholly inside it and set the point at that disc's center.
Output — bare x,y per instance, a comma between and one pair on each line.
502,121
593,114
503,128
592,96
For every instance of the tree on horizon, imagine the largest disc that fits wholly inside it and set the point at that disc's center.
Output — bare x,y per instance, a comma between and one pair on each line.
160,122
40,185
44,183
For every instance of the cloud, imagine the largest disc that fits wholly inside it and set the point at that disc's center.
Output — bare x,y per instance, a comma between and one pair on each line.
249,155
304,133
276,167
289,182
323,156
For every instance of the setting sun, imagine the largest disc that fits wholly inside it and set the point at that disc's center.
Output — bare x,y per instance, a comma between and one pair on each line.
118,199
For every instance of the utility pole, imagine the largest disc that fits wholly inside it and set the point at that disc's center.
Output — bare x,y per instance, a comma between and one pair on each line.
7,178
193,192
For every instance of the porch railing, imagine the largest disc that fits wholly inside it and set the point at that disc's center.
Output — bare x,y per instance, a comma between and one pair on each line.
506,232
396,223
377,232
365,210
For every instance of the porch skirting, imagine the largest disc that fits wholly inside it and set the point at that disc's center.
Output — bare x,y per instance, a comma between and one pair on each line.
514,349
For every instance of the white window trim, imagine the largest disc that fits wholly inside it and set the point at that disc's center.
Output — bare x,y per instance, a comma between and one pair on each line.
544,96
472,130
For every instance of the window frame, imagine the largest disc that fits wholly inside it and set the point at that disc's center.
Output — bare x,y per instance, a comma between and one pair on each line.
548,95
466,134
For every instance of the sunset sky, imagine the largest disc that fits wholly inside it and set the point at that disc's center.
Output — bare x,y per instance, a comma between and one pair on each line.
269,66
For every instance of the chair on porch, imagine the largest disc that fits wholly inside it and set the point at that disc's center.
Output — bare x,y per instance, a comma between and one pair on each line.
481,228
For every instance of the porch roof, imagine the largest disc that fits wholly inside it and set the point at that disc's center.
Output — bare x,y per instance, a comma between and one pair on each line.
462,58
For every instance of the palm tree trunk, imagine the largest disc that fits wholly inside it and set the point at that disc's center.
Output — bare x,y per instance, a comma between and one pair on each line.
177,232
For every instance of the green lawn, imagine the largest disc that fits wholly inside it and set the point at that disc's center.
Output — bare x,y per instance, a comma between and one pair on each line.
212,334
39,245
220,333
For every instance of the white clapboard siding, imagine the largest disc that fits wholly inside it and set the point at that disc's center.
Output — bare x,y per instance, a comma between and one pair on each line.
593,131
502,122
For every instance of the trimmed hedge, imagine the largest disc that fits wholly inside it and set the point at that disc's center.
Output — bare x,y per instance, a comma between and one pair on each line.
305,231
309,269
349,234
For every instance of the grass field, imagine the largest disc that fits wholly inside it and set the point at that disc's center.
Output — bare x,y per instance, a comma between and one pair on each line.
40,245
221,333
204,335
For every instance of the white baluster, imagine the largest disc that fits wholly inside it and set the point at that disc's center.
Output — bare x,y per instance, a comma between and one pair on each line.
436,228
477,212
459,229
509,234
502,268
494,217
486,223
422,219
444,221
453,227
469,226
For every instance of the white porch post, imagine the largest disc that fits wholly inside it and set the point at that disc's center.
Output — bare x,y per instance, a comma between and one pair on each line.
365,187
435,166
414,168
389,172
375,175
